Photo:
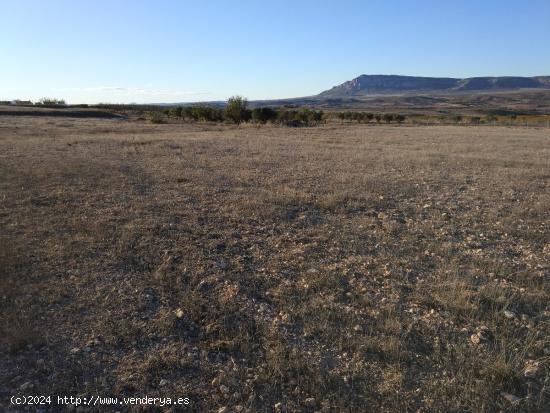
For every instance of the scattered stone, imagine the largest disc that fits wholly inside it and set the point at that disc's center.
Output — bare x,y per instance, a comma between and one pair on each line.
357,328
310,402
510,397
163,382
94,342
238,408
325,406
278,407
215,381
509,314
25,386
179,313
75,350
482,336
204,286
223,409
224,389
532,369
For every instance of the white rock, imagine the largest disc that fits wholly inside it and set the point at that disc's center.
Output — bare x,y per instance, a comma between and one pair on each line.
509,314
510,397
310,402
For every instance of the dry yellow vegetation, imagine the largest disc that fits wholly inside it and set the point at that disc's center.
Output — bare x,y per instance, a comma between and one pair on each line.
339,268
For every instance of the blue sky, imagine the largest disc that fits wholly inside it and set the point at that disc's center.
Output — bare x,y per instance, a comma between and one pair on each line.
177,51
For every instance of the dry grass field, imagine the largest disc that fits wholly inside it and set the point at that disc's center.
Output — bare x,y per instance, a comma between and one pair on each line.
344,268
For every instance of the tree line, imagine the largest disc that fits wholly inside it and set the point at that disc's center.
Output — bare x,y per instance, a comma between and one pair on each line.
366,117
236,111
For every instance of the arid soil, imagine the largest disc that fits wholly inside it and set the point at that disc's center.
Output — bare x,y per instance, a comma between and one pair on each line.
344,268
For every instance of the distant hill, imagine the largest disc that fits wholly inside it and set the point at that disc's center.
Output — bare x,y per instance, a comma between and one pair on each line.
394,84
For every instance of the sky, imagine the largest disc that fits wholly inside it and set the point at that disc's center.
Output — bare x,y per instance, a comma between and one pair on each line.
122,51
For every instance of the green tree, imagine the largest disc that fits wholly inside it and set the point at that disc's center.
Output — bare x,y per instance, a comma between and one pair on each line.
236,110
263,115
388,117
399,118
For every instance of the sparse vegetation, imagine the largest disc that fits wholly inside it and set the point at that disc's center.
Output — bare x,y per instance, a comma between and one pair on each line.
349,268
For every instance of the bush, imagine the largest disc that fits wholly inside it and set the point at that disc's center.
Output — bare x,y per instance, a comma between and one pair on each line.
177,111
388,117
236,110
264,115
156,117
202,113
301,117
399,118
356,116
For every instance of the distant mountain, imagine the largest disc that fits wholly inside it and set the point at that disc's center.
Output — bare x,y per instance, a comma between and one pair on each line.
394,84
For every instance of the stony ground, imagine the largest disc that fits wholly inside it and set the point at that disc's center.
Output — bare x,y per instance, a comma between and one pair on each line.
330,269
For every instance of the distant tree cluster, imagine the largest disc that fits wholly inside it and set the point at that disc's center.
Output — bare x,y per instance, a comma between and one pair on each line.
300,117
264,115
236,111
197,113
51,102
366,117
